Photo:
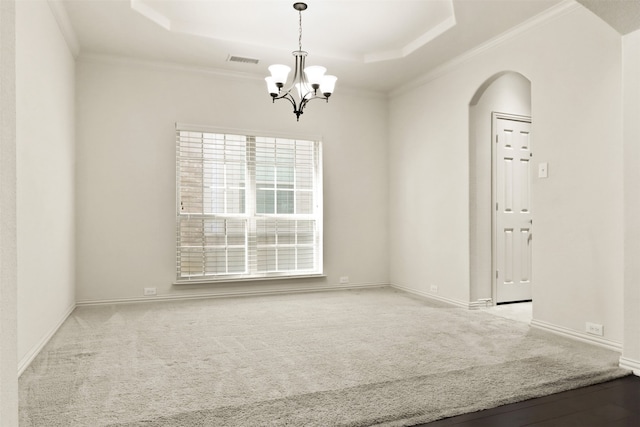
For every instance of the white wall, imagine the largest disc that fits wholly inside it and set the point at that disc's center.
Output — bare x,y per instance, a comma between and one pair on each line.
573,63
631,97
429,216
504,93
45,175
126,174
8,252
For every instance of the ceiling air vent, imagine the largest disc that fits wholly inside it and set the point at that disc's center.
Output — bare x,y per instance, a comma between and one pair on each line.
233,58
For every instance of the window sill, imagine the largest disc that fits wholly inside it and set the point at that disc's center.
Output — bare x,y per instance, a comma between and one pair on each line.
245,279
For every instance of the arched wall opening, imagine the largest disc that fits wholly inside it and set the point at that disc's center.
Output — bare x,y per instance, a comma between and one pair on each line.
505,92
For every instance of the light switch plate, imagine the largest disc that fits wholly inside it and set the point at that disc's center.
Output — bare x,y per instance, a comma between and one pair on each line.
543,170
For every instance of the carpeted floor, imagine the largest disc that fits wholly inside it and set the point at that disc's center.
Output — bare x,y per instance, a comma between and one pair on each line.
521,311
343,358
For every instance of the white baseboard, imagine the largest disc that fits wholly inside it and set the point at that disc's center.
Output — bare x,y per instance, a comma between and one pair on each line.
559,330
35,350
230,294
480,304
461,304
473,305
633,365
580,336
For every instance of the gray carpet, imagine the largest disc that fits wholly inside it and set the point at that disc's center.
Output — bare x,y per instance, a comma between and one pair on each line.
344,358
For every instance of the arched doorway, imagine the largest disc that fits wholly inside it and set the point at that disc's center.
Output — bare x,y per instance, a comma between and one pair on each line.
505,92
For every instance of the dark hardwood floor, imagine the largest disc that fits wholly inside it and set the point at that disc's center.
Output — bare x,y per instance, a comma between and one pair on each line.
611,404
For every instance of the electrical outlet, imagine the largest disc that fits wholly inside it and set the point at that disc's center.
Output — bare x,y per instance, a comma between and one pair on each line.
434,289
344,280
149,291
594,329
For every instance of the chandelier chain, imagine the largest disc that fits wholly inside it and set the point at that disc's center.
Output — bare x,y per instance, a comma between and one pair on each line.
300,30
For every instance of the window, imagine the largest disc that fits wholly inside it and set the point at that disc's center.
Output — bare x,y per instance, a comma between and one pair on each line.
248,206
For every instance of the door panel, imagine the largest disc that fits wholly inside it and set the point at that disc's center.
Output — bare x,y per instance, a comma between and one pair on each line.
513,221
508,256
525,253
525,185
507,184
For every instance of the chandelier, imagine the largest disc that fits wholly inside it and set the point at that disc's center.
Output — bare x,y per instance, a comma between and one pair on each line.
308,83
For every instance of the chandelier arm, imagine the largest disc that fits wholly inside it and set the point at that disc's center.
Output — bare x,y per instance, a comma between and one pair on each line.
306,100
292,100
298,74
287,95
296,109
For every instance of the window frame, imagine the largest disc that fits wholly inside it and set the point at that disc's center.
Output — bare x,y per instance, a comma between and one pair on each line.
251,215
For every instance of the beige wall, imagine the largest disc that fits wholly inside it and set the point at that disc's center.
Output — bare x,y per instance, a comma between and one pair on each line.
631,85
8,255
45,175
126,174
573,63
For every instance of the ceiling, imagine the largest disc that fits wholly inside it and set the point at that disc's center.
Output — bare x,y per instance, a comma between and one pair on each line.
370,45
623,15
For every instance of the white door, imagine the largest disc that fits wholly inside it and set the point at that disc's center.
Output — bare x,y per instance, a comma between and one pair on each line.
513,220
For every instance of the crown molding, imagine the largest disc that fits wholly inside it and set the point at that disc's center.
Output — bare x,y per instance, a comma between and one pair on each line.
62,18
180,67
554,12
106,58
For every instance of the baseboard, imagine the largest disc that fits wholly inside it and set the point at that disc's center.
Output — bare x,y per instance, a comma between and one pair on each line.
461,304
480,304
584,337
632,365
230,294
35,350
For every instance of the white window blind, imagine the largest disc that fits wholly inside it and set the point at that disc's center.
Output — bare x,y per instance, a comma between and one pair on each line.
248,206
